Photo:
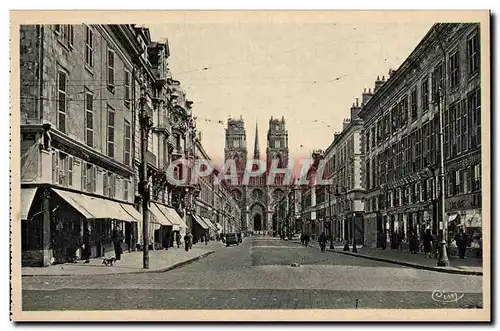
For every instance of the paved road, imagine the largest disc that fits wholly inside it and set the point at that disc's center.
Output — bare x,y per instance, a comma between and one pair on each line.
257,275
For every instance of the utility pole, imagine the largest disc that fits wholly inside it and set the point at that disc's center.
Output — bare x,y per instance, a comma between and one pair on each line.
146,124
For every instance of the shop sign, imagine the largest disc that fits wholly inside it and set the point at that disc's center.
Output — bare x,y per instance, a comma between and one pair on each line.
463,202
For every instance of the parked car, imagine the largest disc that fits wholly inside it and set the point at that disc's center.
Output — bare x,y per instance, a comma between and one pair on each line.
232,239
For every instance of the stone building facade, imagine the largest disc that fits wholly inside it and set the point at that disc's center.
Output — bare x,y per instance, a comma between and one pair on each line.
337,208
85,89
76,138
258,197
401,129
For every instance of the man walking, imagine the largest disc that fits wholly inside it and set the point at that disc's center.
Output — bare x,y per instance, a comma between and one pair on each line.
117,238
322,241
462,240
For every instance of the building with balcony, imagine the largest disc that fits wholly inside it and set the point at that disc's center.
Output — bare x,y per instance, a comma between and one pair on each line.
401,125
77,144
153,114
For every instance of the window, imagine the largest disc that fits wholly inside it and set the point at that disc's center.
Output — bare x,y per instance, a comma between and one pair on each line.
111,68
424,94
474,114
55,167
413,104
373,136
463,126
111,132
437,82
89,175
126,147
127,88
395,118
89,60
473,54
89,118
63,169
454,69
112,184
403,111
62,96
105,184
65,34
453,130
367,141
477,177
426,138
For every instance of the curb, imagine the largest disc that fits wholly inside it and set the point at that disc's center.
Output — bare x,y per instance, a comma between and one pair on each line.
174,266
413,265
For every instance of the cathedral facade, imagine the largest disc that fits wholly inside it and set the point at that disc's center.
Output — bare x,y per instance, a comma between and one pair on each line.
258,197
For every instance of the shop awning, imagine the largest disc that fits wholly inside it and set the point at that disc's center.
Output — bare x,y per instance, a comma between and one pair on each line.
160,217
27,196
173,217
210,223
98,208
201,222
78,202
132,211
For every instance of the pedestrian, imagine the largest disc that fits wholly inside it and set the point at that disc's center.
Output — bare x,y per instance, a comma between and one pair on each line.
206,238
413,242
462,241
428,240
401,237
178,239
75,244
167,241
186,242
322,241
117,238
306,239
86,244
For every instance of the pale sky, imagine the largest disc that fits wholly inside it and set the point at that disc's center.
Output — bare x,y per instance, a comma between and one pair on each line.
282,69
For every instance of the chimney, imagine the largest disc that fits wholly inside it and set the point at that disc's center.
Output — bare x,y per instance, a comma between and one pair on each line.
391,73
366,96
378,83
336,136
355,109
345,124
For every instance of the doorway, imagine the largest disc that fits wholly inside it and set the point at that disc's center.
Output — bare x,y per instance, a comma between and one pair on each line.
257,222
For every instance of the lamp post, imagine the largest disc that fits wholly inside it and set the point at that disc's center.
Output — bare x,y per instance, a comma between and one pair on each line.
443,260
146,123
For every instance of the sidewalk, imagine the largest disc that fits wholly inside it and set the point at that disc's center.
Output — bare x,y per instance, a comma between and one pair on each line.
130,263
467,266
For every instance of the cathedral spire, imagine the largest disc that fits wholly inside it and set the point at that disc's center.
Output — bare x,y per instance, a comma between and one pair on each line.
256,152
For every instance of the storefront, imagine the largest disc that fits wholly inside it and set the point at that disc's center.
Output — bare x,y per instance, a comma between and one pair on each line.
53,223
200,227
465,212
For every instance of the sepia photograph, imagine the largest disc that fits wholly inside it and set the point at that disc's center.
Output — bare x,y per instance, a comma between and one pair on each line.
250,166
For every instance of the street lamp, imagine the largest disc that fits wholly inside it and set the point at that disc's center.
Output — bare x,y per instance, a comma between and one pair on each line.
146,124
443,260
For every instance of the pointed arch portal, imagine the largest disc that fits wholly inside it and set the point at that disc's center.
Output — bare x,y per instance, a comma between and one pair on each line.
257,222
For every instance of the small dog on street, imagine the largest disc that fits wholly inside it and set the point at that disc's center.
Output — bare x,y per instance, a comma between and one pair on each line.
109,261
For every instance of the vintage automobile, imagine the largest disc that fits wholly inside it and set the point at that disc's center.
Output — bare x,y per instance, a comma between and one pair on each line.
232,239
